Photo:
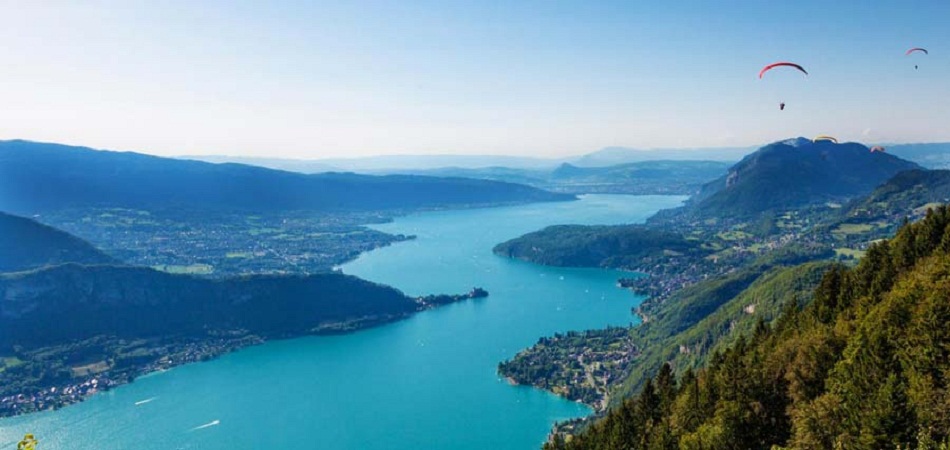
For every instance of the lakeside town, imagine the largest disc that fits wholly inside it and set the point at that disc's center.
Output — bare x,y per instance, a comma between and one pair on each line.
225,244
60,384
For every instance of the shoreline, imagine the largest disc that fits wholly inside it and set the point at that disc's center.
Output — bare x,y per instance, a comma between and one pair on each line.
179,351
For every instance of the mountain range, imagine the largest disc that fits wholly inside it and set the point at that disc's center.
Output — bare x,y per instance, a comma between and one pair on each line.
784,175
644,177
930,155
608,156
37,177
796,172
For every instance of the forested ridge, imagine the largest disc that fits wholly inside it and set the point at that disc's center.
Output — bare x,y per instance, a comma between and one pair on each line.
864,365
38,177
794,173
27,244
595,246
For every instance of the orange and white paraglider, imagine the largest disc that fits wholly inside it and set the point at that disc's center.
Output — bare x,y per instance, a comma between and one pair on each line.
877,149
781,106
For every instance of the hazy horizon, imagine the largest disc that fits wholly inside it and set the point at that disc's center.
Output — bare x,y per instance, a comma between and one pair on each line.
534,79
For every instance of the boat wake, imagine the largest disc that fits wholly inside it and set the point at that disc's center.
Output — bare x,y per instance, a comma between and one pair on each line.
207,425
142,402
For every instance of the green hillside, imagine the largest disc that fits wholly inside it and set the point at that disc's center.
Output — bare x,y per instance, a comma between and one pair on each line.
71,302
684,329
27,244
595,246
690,347
905,192
865,365
795,173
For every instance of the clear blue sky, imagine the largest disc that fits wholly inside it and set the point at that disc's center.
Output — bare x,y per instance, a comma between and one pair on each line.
543,78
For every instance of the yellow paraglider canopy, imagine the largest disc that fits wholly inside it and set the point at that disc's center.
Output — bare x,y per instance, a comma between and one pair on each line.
825,138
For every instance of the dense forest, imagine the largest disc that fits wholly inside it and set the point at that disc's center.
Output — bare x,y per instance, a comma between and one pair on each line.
707,327
595,246
71,302
864,365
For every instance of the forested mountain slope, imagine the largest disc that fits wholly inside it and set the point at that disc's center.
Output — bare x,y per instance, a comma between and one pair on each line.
865,365
70,303
794,173
594,246
27,244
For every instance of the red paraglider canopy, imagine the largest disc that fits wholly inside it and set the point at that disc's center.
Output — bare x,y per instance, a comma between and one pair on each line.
781,64
917,49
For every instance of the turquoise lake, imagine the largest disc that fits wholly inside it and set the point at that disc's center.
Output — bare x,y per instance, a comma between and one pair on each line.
428,382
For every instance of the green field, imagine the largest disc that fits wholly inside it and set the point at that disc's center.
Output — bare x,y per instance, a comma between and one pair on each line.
847,229
849,252
9,362
733,235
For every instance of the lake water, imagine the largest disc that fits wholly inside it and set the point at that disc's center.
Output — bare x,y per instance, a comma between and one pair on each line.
428,382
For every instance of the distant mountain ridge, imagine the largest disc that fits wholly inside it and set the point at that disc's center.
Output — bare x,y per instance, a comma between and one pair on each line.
788,174
27,244
610,156
797,172
645,177
385,164
35,177
931,155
